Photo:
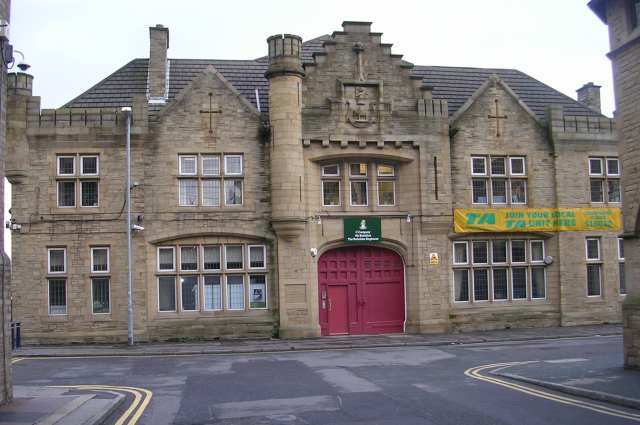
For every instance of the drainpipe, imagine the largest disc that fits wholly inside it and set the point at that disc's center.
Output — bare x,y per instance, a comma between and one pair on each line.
127,113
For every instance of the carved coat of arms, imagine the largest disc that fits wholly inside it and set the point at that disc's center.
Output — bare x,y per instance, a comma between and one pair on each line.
361,106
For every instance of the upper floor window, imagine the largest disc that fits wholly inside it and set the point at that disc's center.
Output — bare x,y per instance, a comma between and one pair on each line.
359,177
604,180
57,260
77,180
100,260
594,267
621,270
499,180
201,182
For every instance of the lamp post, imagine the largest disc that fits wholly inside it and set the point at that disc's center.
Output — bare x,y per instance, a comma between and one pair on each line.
127,113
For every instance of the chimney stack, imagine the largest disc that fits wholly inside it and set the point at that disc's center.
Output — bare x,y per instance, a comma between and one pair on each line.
589,95
158,77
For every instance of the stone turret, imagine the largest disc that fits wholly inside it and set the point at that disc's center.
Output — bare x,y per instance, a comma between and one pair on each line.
20,105
287,168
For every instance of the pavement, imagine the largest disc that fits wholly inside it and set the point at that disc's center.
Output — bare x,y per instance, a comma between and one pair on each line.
33,405
249,346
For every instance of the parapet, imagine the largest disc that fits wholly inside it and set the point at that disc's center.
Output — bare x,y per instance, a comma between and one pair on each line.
580,126
19,83
284,55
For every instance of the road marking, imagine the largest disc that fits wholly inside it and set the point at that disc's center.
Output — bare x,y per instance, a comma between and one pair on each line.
141,399
476,373
15,360
567,360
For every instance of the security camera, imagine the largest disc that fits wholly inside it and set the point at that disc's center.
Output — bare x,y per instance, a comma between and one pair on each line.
137,228
314,252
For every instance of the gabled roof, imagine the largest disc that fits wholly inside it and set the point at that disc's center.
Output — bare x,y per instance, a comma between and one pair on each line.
455,84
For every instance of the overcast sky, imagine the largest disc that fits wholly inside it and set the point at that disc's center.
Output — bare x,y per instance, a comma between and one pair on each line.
73,44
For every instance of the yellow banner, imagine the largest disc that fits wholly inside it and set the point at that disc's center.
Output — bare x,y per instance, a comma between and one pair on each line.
536,219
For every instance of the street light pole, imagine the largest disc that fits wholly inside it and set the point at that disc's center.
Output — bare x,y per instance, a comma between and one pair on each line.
127,113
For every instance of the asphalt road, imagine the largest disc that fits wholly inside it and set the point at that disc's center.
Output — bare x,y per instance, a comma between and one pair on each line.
387,386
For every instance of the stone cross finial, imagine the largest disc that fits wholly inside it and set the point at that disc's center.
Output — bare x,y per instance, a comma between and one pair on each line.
211,111
359,48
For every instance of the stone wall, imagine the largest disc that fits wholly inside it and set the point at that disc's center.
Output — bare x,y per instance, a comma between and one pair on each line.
625,57
6,391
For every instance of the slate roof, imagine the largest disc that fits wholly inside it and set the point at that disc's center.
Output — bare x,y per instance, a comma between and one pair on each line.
455,84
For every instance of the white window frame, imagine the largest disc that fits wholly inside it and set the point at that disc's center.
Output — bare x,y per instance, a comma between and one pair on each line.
223,192
339,204
94,248
211,271
180,193
505,159
466,248
64,250
220,192
179,283
469,285
58,157
524,166
222,292
518,263
173,249
586,249
195,163
366,185
197,269
66,297
473,260
97,182
75,193
393,171
617,160
544,274
586,287
175,294
378,193
264,255
473,284
109,290
484,161
486,191
358,176
234,271
228,293
82,157
507,188
330,175
507,248
492,284
266,291
602,170
227,173
526,198
526,283
207,156
531,260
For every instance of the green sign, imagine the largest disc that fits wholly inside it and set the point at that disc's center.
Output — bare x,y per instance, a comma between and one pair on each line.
362,229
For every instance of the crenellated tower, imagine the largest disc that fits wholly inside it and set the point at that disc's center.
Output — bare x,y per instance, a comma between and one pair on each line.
287,167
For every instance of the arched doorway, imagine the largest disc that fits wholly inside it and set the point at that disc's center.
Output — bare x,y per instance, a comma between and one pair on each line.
361,291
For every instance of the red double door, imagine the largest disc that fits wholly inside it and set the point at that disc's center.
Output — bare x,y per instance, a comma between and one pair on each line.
361,291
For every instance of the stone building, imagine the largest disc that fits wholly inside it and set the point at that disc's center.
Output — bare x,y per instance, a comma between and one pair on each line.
6,53
329,187
623,18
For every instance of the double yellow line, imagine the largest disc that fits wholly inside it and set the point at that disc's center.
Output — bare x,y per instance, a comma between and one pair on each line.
141,399
476,373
